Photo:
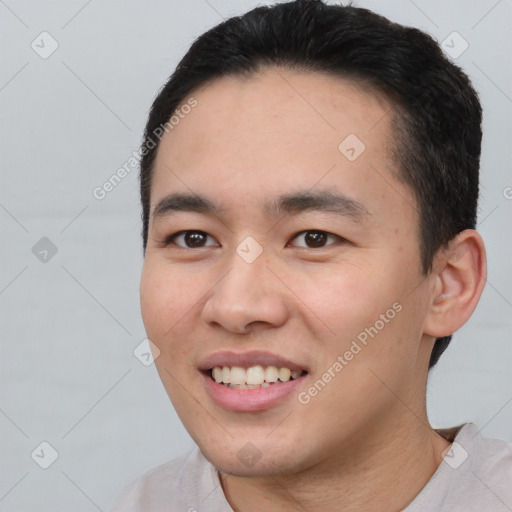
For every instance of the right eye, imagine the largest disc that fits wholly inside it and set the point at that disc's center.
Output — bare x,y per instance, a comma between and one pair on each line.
190,239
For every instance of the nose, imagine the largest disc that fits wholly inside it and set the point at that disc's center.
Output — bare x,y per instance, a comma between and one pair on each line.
249,295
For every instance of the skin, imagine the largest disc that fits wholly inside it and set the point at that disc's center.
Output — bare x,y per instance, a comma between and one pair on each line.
364,442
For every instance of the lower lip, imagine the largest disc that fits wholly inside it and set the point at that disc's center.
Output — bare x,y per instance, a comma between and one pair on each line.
249,400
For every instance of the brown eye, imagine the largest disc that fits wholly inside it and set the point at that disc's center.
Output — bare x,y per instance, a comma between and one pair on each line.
314,239
189,239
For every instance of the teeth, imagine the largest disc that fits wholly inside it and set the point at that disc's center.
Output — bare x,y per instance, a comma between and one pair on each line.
252,377
217,374
271,374
226,373
248,386
284,374
238,375
255,375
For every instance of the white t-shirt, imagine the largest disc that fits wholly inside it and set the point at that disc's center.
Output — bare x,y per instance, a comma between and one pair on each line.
474,476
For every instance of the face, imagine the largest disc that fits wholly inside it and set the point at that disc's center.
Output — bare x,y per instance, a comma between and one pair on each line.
301,255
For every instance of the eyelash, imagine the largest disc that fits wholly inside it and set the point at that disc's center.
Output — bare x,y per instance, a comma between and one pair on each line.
169,240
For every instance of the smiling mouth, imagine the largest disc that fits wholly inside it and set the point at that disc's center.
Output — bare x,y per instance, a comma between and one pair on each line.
253,377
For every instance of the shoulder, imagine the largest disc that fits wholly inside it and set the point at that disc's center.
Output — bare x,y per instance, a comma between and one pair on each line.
475,475
482,455
489,466
179,484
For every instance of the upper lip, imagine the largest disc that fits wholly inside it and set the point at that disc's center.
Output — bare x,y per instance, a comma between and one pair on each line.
248,359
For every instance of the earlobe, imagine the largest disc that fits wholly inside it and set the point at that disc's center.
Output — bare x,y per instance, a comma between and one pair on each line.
459,281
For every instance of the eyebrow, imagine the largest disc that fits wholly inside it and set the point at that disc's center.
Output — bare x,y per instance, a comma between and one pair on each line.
292,203
321,200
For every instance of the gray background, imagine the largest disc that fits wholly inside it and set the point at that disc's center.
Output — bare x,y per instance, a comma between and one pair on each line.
70,324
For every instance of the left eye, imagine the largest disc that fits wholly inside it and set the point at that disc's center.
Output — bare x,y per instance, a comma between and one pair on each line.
316,239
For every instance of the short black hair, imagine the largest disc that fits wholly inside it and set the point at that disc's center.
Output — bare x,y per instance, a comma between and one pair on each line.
436,112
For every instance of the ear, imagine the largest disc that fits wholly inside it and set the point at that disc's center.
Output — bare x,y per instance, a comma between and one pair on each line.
459,275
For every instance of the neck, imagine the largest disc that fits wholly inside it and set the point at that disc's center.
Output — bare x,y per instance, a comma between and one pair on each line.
384,469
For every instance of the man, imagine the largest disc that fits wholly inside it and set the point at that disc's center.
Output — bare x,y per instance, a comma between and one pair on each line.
309,186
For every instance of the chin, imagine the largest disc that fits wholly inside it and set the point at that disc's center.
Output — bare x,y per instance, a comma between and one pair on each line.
250,459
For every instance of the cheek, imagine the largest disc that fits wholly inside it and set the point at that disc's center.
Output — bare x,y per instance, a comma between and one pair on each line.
154,299
164,297
167,299
365,311
345,298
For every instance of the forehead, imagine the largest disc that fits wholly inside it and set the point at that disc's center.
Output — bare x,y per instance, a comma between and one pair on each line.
252,138
280,103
